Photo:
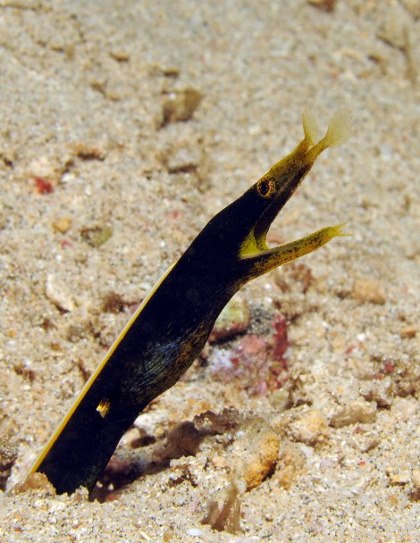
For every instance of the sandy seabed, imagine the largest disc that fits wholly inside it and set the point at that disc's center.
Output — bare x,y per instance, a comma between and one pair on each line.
125,126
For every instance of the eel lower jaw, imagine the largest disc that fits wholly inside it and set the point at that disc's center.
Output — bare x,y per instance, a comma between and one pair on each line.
256,244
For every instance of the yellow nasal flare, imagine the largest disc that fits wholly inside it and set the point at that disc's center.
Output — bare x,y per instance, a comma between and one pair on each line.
339,128
310,126
339,131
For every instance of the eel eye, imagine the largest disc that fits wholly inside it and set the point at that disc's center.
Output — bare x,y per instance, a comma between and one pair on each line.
266,187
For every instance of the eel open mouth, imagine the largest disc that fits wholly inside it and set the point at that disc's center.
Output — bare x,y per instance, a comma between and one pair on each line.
278,185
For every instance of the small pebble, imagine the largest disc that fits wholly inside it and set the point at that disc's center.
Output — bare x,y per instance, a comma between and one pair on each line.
171,71
58,293
380,391
120,56
392,29
254,453
195,532
8,455
408,331
224,510
234,319
183,440
415,481
88,151
62,224
359,411
180,105
398,476
368,291
42,167
37,482
131,438
311,428
97,235
323,5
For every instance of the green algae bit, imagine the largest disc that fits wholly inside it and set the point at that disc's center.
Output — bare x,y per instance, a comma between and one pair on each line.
171,326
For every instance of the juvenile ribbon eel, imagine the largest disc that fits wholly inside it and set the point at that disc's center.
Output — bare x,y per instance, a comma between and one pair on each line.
171,326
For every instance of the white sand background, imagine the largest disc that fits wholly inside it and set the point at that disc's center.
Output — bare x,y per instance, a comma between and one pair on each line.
82,88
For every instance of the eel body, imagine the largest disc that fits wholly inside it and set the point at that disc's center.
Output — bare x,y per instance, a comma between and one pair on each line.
170,328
